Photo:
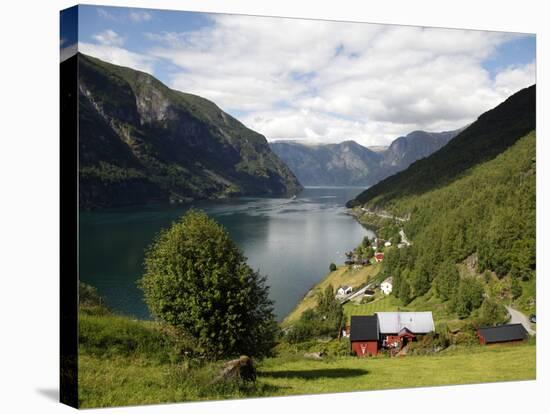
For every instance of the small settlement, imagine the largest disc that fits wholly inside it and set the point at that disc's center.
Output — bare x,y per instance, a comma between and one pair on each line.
393,331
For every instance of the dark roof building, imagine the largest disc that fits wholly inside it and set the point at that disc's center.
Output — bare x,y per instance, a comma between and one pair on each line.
364,335
364,328
502,333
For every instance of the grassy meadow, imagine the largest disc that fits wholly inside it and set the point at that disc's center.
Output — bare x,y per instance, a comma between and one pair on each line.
138,377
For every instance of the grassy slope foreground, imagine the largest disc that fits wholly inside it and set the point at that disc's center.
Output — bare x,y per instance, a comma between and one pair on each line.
126,362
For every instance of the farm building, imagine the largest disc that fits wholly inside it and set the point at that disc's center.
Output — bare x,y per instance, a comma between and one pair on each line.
364,335
369,333
387,285
503,333
399,328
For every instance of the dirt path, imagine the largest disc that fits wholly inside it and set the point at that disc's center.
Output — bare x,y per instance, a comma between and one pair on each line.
518,317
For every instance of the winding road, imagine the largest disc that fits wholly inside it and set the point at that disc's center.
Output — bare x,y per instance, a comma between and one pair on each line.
518,317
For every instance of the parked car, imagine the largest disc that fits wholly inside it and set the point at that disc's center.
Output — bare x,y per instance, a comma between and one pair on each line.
533,318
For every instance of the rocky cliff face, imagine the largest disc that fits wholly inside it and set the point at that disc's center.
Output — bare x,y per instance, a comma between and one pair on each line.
142,142
347,163
403,151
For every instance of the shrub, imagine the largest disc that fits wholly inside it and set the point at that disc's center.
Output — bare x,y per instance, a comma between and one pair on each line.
332,267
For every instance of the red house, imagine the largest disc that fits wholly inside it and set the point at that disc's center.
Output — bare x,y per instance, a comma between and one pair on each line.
364,335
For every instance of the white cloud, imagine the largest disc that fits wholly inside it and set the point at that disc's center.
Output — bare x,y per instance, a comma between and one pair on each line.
134,16
118,56
138,16
515,77
109,37
331,81
106,15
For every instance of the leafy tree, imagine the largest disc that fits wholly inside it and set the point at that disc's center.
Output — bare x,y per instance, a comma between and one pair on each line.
447,280
516,288
197,280
332,267
325,319
491,313
369,253
405,292
469,296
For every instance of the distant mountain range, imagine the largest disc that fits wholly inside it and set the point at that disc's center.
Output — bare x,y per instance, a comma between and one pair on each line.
140,142
349,163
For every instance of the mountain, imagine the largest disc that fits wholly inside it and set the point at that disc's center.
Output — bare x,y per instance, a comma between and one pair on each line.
403,151
346,163
349,163
491,134
140,142
469,211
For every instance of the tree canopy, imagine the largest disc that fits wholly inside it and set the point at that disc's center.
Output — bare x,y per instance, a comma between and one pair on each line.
197,280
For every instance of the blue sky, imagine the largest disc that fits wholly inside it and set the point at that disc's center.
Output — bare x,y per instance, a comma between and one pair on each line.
315,81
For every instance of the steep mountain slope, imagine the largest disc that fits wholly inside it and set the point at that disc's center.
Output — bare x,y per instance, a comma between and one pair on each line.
485,219
140,142
349,163
491,134
346,163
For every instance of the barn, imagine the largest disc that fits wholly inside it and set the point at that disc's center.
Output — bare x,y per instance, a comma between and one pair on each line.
514,332
364,335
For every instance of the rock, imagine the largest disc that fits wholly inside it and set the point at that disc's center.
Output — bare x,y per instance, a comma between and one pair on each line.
241,368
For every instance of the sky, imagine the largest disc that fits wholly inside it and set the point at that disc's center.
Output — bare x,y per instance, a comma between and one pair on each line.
312,80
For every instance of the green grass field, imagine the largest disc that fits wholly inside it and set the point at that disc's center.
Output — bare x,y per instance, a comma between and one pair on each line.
129,381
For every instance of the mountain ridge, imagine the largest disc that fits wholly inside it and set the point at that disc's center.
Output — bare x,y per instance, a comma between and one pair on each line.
350,163
492,133
142,142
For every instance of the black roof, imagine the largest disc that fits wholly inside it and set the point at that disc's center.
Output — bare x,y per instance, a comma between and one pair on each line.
364,328
503,333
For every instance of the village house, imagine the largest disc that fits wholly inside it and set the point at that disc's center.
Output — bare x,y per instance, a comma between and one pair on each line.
393,330
379,257
387,285
490,335
344,290
387,244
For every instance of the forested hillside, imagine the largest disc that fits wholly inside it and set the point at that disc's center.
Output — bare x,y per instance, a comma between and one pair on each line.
485,220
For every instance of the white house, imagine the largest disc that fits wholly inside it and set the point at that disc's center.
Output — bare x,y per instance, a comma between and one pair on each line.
387,285
387,244
344,290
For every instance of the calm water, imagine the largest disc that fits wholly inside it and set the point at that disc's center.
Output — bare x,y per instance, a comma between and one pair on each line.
290,241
